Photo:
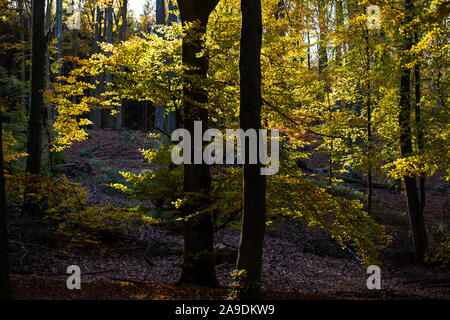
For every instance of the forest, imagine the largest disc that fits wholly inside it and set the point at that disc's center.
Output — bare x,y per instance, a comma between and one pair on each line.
224,150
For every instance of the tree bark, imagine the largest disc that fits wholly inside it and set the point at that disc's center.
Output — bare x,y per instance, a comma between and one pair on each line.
108,121
339,23
160,111
309,49
96,115
369,130
414,208
123,28
50,111
36,116
172,116
23,36
5,288
198,264
323,43
323,64
419,128
58,30
254,208
58,44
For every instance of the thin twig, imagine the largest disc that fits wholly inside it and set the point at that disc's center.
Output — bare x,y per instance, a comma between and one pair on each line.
230,218
160,243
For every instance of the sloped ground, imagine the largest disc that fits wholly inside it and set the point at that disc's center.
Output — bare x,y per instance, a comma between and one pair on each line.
288,272
298,262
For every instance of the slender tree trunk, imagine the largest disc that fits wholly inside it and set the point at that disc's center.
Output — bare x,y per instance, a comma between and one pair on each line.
309,50
28,36
160,12
122,32
5,289
96,115
414,208
49,114
339,22
109,24
74,38
369,131
369,169
323,64
108,121
254,213
198,264
36,116
74,50
59,41
23,33
419,124
172,116
160,111
123,28
330,161
58,30
323,43
48,18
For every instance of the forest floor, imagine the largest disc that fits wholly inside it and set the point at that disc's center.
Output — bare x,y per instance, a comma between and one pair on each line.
299,262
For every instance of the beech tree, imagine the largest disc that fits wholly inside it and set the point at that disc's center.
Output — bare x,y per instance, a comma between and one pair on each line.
160,116
5,290
108,121
406,146
96,115
123,13
36,115
254,188
198,264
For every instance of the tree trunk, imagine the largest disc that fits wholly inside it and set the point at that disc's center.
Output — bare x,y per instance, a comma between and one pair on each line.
5,289
323,43
49,109
323,64
36,116
419,125
74,39
23,36
108,121
309,50
96,115
160,111
339,23
414,208
369,131
172,116
254,208
58,31
198,265
58,44
123,28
